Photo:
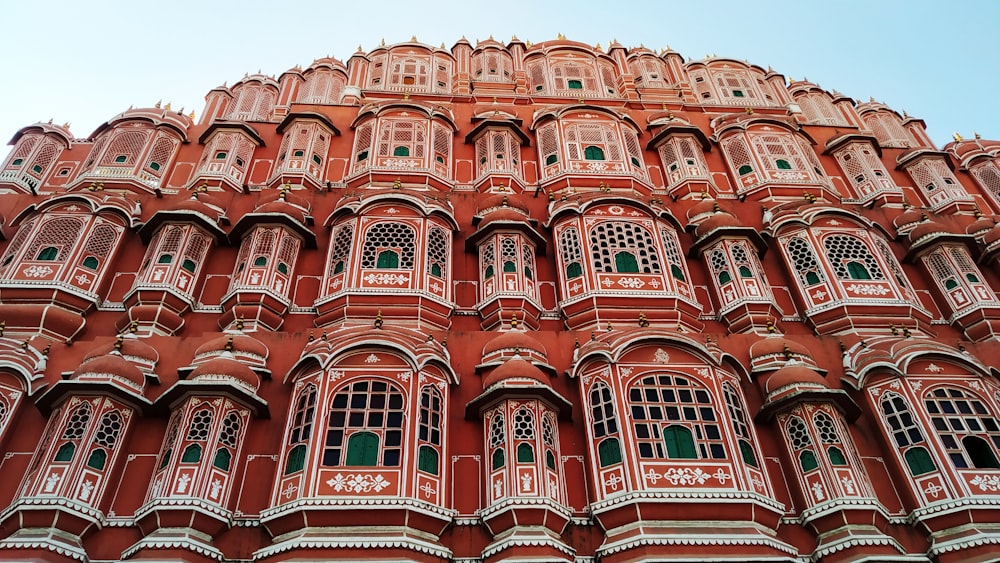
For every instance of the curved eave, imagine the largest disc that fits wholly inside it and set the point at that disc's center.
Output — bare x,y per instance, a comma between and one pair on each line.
523,227
154,122
64,389
560,112
433,112
513,125
583,202
187,388
237,125
508,390
666,130
356,206
250,220
838,397
836,142
160,218
913,155
45,129
928,242
306,116
748,233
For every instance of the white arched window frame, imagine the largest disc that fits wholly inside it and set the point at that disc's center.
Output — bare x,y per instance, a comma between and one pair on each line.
865,171
682,160
889,130
819,109
498,151
492,65
322,86
649,72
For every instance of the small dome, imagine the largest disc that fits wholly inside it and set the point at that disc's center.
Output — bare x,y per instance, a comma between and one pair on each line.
981,225
514,340
515,369
226,369
110,367
284,208
702,210
240,345
132,349
908,219
775,346
718,220
503,215
500,201
795,375
992,235
926,229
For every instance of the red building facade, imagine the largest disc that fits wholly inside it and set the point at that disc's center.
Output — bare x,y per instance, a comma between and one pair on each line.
542,302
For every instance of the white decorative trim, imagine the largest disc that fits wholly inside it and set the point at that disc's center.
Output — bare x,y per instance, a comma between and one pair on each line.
687,496
355,542
977,538
383,503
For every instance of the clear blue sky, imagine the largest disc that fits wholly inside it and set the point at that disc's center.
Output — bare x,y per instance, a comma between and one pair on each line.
84,62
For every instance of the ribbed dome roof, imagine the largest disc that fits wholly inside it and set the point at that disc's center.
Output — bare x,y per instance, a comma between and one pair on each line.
226,368
716,221
794,375
503,215
981,225
925,229
514,340
515,368
240,343
500,201
702,207
992,235
204,204
131,348
908,218
110,366
774,345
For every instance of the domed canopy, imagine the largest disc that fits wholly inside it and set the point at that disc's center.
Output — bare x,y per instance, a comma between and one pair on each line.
514,341
794,375
719,220
240,346
516,370
500,201
226,369
132,349
110,367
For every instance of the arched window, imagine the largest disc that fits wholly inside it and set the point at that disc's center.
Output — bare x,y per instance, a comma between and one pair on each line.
680,443
830,438
667,404
341,248
605,425
372,410
804,261
623,244
389,245
523,433
802,444
105,439
73,431
48,253
525,453
572,253
497,440
437,252
593,153
845,250
429,424
737,413
906,433
961,420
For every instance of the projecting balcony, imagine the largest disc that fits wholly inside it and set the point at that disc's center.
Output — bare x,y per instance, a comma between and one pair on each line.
781,183
408,170
229,174
498,172
298,170
558,175
19,180
119,177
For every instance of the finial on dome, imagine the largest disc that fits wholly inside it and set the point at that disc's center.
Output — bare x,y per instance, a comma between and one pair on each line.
3,326
239,323
560,37
610,328
413,39
378,320
119,342
397,183
977,135
576,342
894,330
786,352
513,321
311,336
158,104
771,329
956,136
24,343
749,111
643,321
167,107
382,43
191,115
229,344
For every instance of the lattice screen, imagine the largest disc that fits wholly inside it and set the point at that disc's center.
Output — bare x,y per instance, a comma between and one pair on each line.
608,238
129,144
388,235
843,249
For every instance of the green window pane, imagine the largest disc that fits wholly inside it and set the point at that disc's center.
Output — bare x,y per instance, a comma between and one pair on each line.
677,272
188,265
836,456
919,461
498,459
387,259
401,151
609,452
121,158
724,277
808,461
574,270
154,166
48,253
165,259
317,159
363,155
593,153
551,159
550,460
509,266
950,283
574,84
260,261
339,267
222,459
528,274
625,262
90,262
745,169
488,273
166,458
296,459
427,460
680,443
36,169
97,459
65,452
192,454
745,272
525,453
857,271
746,451
362,449
972,278
436,270
782,164
812,278
282,267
